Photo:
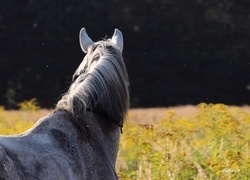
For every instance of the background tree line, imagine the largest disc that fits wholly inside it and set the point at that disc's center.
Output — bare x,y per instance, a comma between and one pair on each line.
176,51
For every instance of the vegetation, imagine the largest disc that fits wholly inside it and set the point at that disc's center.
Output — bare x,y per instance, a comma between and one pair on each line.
14,122
211,143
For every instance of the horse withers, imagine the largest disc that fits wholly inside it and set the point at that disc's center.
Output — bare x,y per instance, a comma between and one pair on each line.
80,138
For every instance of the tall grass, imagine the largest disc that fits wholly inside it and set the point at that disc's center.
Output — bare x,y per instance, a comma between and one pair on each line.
212,142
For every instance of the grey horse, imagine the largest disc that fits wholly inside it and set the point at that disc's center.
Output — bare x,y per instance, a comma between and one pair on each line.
80,138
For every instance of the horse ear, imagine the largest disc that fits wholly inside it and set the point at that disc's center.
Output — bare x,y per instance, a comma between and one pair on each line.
85,40
117,39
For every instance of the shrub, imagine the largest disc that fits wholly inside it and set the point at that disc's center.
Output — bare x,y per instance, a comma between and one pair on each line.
29,105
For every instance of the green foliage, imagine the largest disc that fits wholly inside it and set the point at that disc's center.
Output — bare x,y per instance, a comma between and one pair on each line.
11,97
205,146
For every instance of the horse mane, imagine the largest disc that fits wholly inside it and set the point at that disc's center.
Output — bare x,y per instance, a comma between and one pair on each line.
100,86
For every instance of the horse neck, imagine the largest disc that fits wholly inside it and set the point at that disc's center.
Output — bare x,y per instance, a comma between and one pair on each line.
108,142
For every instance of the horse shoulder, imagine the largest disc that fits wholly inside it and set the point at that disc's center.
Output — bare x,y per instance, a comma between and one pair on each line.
8,167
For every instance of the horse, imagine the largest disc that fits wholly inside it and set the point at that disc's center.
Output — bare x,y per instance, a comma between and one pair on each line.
80,138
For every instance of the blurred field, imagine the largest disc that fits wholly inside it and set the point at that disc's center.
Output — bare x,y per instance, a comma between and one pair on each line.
17,121
141,115
207,141
150,115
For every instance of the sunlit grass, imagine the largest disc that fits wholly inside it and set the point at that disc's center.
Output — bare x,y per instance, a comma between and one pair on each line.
212,143
15,122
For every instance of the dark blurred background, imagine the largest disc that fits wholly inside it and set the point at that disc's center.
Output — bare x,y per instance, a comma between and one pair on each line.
176,51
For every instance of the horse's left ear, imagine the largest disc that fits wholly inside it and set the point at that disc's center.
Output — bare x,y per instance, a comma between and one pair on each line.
85,40
117,39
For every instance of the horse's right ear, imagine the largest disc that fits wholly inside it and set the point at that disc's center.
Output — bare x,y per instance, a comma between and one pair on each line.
85,40
117,39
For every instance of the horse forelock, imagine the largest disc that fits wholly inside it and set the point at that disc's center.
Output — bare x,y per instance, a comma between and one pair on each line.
101,86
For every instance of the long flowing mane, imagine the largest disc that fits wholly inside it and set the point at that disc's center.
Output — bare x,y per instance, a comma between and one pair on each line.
101,86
